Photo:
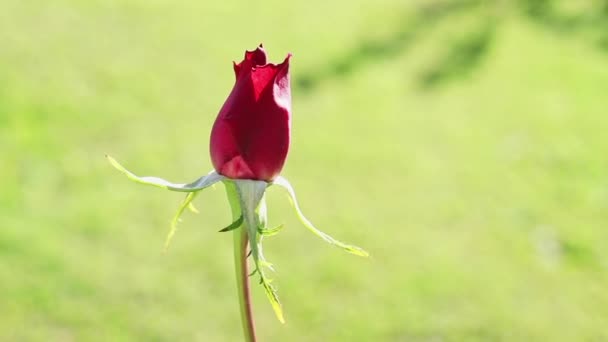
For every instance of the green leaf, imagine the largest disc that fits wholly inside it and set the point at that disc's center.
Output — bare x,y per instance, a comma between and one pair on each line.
199,184
234,225
281,181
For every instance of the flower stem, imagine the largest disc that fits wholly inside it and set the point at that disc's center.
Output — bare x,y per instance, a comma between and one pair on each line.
240,265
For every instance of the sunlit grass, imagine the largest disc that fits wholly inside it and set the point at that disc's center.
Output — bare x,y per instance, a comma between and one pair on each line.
482,199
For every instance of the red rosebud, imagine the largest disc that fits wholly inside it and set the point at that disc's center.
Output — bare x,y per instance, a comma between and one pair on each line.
250,136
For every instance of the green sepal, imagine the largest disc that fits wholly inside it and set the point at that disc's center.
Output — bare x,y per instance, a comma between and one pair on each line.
271,293
199,184
281,181
253,209
176,218
191,188
270,231
234,225
268,265
193,208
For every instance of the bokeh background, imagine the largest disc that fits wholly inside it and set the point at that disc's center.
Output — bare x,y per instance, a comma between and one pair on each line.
463,143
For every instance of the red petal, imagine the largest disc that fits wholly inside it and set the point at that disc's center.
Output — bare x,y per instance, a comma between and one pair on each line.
250,137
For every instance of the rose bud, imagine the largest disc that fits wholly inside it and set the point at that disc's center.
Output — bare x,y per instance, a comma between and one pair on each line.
249,143
250,136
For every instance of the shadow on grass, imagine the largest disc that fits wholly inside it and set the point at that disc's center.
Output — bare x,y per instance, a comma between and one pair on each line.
467,52
373,50
591,21
461,58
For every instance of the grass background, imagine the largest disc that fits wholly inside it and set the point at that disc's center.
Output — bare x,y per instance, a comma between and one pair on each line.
462,143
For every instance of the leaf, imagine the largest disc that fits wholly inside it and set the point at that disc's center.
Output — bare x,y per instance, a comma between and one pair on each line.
199,184
281,181
234,225
187,201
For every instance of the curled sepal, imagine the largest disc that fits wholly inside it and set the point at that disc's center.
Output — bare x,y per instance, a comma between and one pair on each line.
185,204
234,225
281,181
199,184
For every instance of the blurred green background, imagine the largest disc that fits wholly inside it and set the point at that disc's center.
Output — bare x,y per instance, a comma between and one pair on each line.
462,143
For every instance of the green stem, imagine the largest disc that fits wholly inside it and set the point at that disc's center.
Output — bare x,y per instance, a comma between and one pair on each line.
240,265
